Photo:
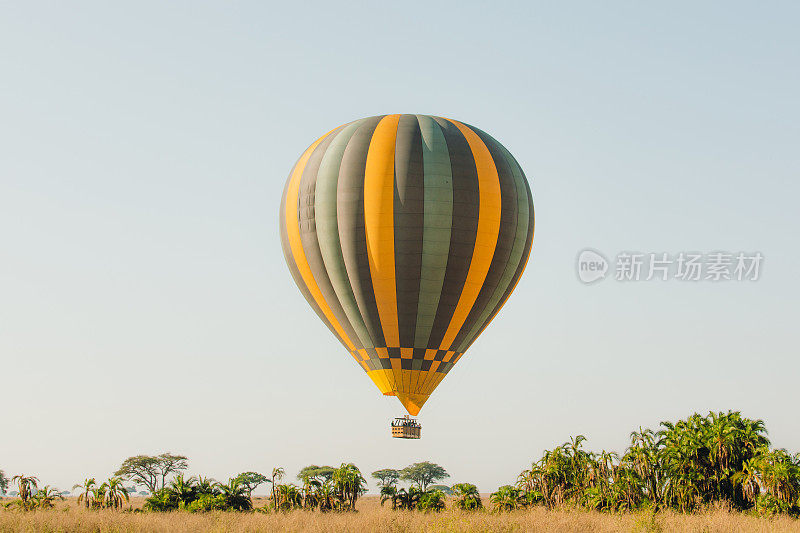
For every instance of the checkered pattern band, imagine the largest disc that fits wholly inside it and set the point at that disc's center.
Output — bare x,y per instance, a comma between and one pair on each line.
409,359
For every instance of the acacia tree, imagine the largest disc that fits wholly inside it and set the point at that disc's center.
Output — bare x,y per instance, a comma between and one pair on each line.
142,469
251,480
171,464
149,470
3,483
387,477
316,473
423,474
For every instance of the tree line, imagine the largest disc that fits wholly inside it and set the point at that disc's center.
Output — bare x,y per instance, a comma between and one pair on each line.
721,458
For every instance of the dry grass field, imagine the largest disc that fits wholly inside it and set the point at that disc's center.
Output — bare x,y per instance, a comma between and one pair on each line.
68,517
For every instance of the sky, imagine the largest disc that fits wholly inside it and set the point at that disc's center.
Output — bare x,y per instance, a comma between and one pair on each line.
145,305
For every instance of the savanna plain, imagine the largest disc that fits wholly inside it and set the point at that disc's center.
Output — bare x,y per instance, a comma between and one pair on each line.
69,517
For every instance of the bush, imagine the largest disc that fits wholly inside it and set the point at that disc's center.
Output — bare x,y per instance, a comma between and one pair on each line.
431,500
207,502
161,500
769,505
468,497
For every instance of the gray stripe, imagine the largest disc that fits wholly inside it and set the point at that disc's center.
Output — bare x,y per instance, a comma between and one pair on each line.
438,215
350,216
328,230
463,232
408,220
310,238
290,262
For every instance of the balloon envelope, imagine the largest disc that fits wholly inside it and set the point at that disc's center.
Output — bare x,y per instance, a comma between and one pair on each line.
406,234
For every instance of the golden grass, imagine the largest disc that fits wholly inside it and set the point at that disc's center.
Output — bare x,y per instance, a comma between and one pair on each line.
68,518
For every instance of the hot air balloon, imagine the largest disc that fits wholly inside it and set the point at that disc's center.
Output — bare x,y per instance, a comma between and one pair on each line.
406,234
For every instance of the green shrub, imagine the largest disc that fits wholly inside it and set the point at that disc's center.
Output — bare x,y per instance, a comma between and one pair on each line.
468,498
207,502
431,500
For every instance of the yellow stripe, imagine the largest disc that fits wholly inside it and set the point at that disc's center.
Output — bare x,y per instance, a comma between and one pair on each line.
423,380
391,389
513,288
433,382
389,375
422,385
380,380
379,224
439,378
397,375
406,380
415,377
384,376
293,233
487,233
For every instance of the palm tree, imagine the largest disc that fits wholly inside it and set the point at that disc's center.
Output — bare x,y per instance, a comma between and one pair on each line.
389,492
185,490
431,500
236,495
748,479
86,491
310,490
44,498
206,485
99,496
277,475
642,458
349,485
325,496
115,493
408,499
781,477
507,498
468,497
25,484
289,497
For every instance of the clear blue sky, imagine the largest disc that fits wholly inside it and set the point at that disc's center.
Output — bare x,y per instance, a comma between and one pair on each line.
145,305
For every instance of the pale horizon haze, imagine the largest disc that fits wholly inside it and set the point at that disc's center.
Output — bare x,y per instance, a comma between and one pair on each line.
145,305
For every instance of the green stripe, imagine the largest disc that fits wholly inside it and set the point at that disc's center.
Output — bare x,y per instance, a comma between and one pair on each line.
438,217
328,232
517,251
